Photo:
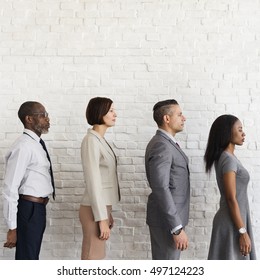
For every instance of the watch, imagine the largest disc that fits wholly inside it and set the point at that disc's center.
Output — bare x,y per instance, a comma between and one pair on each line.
242,230
177,232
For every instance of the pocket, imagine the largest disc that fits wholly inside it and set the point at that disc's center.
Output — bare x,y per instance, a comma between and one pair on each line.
25,210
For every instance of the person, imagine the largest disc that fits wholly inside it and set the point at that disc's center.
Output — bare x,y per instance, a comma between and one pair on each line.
231,237
28,183
100,174
167,172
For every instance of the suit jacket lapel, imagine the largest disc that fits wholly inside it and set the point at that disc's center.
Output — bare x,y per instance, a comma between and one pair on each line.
174,144
180,150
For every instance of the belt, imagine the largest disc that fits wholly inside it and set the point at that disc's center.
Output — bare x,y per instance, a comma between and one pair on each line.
41,200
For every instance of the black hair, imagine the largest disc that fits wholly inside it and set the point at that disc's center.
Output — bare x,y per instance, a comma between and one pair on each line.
219,138
161,109
26,109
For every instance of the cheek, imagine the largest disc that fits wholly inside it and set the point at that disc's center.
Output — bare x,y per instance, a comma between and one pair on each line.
237,136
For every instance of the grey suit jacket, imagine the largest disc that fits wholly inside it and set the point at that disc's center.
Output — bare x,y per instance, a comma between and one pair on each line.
168,176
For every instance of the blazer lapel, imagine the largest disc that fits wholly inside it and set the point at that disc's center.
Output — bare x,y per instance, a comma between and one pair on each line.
175,145
109,149
180,150
104,143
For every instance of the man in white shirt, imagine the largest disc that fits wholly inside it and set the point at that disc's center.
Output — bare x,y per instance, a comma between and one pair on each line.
28,183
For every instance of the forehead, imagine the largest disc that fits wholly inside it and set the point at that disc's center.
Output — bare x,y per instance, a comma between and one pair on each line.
176,108
237,124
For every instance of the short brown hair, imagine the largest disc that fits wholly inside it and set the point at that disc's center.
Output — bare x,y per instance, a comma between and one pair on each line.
96,110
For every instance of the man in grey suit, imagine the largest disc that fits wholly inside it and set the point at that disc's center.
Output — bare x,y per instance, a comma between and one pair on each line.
167,172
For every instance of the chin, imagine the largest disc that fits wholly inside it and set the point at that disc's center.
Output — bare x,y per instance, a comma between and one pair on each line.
45,131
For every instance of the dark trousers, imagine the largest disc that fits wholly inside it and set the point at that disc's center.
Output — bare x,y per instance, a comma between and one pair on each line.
31,223
162,244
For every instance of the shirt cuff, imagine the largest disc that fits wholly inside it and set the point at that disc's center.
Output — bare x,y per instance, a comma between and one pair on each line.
176,228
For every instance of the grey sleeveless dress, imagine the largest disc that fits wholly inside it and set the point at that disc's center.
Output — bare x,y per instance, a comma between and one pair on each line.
224,244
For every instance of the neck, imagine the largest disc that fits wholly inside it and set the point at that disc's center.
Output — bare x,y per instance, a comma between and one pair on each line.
100,129
36,132
230,148
167,129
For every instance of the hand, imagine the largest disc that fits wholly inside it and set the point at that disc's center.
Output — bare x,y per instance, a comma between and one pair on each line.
181,241
244,244
104,229
11,239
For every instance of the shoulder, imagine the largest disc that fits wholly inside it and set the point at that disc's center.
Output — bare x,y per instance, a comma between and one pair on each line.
91,143
157,141
91,136
159,146
226,157
23,142
160,137
228,162
21,148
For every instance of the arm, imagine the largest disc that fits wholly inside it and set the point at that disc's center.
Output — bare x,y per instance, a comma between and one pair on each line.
93,178
16,165
159,162
159,170
229,180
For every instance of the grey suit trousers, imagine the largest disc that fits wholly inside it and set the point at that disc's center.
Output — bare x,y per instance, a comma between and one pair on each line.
163,246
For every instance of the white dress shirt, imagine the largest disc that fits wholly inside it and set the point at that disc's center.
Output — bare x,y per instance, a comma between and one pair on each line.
27,172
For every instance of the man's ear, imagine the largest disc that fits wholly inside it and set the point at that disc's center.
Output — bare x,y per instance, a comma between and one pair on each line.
166,118
28,119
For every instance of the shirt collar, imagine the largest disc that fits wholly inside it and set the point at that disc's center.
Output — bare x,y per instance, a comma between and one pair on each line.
168,134
32,134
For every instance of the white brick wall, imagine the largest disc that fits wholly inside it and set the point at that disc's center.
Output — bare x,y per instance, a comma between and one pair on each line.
204,53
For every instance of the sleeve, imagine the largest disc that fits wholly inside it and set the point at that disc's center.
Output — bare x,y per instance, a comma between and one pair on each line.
16,165
229,164
91,167
159,164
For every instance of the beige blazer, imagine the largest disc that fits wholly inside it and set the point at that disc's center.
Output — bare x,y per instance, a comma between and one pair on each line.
100,174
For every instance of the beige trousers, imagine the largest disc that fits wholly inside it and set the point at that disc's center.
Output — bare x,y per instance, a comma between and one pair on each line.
93,248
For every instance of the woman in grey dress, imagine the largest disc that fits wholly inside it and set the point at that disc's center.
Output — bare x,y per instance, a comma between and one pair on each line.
231,237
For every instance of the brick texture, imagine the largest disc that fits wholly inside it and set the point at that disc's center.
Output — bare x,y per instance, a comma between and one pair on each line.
203,53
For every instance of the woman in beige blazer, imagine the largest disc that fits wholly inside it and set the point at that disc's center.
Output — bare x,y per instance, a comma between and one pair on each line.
100,175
